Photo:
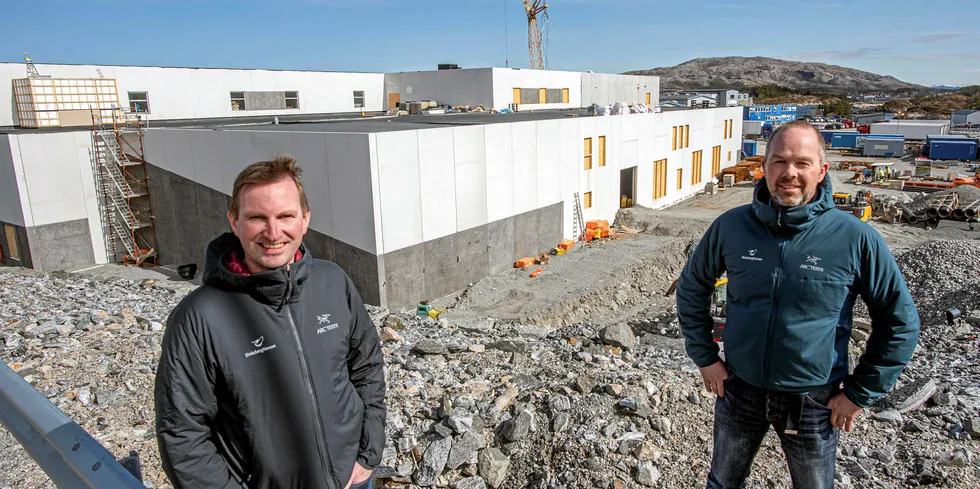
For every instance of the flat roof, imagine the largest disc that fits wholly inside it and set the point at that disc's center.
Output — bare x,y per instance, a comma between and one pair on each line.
347,122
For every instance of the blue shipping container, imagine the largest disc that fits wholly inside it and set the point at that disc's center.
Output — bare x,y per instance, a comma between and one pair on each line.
953,150
945,137
749,148
855,139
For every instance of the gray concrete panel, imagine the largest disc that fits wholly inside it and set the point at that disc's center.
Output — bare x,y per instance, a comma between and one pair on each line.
61,246
265,100
214,213
161,198
526,234
440,266
501,249
472,249
549,226
187,220
404,280
321,245
362,267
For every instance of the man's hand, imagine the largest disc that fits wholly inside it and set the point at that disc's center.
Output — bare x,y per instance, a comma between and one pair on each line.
359,475
843,412
714,376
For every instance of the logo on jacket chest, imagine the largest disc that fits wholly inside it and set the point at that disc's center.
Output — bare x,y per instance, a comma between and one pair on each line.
811,263
261,347
326,325
751,255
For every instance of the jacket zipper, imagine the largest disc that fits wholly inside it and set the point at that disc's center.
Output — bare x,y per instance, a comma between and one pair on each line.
777,280
304,365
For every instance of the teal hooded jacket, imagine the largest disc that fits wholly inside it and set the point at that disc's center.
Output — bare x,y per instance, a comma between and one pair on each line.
793,276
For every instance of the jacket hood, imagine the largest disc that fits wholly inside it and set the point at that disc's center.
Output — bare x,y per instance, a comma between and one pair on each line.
273,287
791,220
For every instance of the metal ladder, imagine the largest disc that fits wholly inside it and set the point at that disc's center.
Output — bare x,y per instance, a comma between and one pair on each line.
578,222
123,221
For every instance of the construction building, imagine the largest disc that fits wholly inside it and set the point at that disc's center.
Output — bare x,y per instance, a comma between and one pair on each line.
412,207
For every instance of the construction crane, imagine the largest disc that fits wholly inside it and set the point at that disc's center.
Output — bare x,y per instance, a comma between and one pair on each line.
534,8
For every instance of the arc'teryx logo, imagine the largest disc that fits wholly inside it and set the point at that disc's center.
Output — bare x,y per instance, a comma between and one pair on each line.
811,263
752,256
325,318
258,342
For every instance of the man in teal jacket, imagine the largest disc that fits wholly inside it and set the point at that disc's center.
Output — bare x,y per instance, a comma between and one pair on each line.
795,266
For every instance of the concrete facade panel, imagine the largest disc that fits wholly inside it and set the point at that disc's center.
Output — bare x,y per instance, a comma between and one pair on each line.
472,250
267,145
64,245
526,240
363,269
500,171
236,155
401,199
502,249
441,266
11,209
525,167
437,177
206,160
548,157
179,159
471,176
404,277
350,181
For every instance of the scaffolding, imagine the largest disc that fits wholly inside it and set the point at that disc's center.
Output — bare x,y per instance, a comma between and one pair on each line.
123,187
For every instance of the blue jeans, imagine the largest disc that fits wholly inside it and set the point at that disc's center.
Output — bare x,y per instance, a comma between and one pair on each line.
368,484
742,419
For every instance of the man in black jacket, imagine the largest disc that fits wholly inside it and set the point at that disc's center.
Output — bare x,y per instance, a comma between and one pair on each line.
271,374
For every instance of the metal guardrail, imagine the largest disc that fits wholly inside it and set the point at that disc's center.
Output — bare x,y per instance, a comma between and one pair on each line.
65,451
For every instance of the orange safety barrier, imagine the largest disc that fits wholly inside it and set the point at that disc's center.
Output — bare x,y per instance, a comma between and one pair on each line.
524,262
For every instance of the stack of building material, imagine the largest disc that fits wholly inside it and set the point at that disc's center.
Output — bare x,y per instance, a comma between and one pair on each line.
597,229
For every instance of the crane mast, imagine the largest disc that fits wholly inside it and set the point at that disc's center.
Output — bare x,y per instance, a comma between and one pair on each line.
535,51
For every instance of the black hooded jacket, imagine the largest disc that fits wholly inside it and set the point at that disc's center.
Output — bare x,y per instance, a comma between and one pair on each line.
271,380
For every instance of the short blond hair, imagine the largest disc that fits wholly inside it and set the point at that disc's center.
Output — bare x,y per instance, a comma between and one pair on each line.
274,170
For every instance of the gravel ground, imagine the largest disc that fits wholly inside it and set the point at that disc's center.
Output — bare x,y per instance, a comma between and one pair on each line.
575,378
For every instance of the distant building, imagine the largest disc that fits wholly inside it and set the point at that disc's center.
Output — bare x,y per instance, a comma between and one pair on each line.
862,119
776,114
724,97
744,99
690,100
965,116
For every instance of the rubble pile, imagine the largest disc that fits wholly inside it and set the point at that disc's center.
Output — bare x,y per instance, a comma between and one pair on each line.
484,401
943,275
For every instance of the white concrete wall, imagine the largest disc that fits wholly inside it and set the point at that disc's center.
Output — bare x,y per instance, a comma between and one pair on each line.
11,179
189,93
55,181
496,171
337,171
452,87
505,80
606,89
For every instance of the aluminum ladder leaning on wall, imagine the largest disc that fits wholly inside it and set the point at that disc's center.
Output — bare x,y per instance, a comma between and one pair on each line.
65,451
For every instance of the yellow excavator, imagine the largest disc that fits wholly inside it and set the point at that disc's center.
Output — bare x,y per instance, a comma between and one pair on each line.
858,205
718,305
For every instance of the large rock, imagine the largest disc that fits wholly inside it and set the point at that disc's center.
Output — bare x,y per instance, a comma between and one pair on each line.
510,346
492,466
618,335
465,449
471,483
516,428
460,421
430,347
913,395
433,462
647,473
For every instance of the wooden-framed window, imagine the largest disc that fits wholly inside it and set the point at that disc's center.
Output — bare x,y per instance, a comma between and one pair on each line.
673,139
587,152
696,167
587,200
715,160
680,178
659,178
687,136
602,151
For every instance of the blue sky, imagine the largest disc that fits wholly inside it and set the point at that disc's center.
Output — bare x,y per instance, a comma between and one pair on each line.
921,42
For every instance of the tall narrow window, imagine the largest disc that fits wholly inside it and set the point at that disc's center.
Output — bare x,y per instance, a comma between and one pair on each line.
696,168
659,178
564,95
587,152
716,160
687,136
602,151
139,102
680,178
292,100
238,101
673,139
587,200
731,125
517,95
358,99
729,156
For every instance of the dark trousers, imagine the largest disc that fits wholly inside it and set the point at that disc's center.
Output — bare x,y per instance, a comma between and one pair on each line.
742,419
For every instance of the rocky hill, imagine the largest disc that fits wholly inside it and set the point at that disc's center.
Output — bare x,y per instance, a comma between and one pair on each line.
739,72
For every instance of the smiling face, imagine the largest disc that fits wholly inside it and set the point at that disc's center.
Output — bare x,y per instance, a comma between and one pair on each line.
270,224
794,166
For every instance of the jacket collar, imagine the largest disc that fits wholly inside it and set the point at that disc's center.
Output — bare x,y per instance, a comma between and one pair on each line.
272,287
791,220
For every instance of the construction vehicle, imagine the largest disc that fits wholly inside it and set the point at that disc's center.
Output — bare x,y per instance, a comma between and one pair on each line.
719,300
858,205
